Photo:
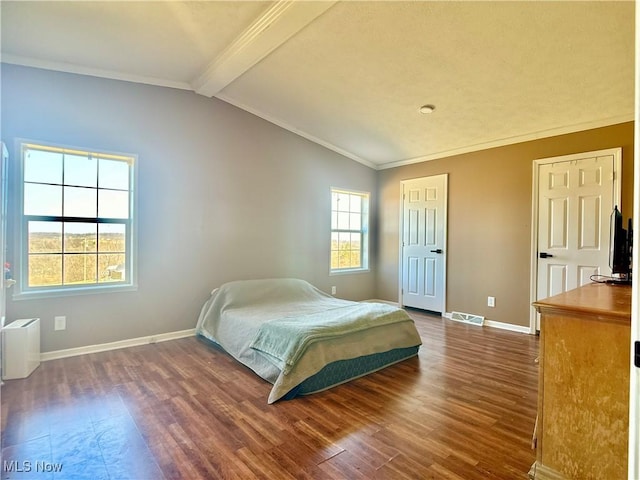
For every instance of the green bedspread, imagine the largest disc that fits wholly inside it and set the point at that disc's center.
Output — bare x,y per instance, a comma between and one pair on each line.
286,339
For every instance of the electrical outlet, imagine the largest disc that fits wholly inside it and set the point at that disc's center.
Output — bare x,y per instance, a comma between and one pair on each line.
60,323
333,290
491,301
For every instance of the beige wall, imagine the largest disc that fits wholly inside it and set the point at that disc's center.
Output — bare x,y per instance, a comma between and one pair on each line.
222,195
489,236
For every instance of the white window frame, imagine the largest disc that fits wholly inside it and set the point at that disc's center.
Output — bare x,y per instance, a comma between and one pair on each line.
364,232
22,289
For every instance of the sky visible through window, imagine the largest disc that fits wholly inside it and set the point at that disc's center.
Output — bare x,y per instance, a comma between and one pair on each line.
44,188
62,188
348,214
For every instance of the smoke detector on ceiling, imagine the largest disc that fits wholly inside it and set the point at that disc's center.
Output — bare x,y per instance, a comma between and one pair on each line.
427,108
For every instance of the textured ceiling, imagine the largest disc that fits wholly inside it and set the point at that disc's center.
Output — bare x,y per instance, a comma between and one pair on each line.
351,75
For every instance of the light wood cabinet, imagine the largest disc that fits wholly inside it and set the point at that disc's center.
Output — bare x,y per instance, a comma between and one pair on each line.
583,391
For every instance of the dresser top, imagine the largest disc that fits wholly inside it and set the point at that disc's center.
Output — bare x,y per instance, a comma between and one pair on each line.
600,301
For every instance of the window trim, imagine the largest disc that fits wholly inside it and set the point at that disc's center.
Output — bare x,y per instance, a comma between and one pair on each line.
21,244
364,231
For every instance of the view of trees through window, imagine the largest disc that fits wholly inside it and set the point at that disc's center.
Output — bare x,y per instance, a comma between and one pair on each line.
55,259
348,230
76,216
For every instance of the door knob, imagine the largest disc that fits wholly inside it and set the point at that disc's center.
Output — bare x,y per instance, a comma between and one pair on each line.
545,255
437,250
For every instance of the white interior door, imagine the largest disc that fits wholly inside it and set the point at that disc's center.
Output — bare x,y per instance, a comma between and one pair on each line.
423,243
576,195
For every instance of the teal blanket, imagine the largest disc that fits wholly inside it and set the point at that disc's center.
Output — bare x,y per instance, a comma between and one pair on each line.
286,339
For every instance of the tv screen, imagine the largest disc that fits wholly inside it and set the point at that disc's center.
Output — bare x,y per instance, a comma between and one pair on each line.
619,247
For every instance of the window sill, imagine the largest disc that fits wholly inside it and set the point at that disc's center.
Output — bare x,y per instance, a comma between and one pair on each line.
348,271
69,292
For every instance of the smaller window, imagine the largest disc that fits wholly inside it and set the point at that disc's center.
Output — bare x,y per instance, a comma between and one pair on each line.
349,231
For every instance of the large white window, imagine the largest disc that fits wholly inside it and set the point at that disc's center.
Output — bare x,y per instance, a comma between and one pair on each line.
349,231
77,230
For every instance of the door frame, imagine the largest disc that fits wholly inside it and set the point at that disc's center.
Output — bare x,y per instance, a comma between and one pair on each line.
617,192
445,241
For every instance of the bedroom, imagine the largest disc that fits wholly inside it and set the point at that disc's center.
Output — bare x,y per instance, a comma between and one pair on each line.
226,195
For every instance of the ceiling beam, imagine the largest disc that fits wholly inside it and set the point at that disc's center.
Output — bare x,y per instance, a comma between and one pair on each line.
273,28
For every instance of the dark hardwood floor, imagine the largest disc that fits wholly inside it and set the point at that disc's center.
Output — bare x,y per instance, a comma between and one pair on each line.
463,409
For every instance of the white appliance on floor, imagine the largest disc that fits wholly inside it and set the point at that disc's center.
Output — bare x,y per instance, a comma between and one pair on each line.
20,348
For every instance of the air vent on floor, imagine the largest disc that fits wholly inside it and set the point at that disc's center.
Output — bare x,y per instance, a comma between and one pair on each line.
467,318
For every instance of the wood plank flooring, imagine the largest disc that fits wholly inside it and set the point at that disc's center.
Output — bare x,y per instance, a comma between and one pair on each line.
464,409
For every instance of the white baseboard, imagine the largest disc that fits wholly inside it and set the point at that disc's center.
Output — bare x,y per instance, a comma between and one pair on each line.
507,326
500,325
540,472
375,300
105,347
487,323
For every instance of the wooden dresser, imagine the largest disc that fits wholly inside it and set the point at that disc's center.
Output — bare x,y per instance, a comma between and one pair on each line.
583,392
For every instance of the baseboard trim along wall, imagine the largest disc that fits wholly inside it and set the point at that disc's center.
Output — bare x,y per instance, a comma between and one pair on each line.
105,347
540,472
376,300
500,325
487,323
163,337
507,326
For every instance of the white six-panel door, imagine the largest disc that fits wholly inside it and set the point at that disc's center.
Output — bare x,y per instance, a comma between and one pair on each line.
576,195
423,249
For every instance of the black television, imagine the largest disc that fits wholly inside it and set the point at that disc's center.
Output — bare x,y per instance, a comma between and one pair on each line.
620,249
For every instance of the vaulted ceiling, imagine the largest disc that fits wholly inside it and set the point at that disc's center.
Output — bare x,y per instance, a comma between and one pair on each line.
352,75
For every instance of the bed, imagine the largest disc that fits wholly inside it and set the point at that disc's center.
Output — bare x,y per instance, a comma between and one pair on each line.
302,340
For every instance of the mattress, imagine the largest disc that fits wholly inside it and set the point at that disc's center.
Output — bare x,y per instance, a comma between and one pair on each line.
236,314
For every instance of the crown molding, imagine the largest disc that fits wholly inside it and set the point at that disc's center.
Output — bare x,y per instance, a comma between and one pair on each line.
101,73
553,132
303,134
93,72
